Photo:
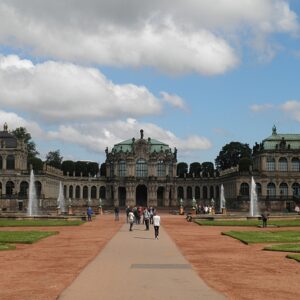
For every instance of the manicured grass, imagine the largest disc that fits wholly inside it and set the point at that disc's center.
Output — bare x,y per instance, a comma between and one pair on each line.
248,237
24,237
280,223
7,247
47,222
284,248
294,256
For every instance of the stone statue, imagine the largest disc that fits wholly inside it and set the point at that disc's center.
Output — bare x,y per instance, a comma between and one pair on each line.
142,133
175,153
106,151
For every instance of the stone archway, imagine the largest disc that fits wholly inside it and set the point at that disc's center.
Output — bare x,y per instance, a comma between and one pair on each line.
141,195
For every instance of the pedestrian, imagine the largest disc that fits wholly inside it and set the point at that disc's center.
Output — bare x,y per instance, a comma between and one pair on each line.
127,213
131,219
151,214
156,224
117,210
264,217
146,218
89,213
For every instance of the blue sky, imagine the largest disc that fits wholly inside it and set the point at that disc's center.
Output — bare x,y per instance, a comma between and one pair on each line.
195,75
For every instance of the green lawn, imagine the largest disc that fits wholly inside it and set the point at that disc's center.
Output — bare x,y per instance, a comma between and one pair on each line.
24,237
47,222
248,237
280,223
294,256
7,247
284,248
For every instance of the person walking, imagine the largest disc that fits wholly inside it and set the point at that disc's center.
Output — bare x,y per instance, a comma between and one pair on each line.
264,217
127,213
117,211
156,224
130,219
89,213
146,218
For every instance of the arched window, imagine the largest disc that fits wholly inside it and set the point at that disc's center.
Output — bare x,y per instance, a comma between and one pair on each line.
77,192
85,192
71,191
9,188
271,189
93,192
283,164
161,170
38,188
296,189
65,191
10,162
270,163
102,192
295,164
211,192
258,188
283,189
1,163
141,168
24,189
244,189
189,192
122,168
180,193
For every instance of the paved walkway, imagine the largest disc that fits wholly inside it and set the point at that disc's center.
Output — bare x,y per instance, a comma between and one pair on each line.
134,265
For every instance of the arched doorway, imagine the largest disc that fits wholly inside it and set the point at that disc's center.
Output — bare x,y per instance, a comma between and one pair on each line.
141,195
160,196
122,196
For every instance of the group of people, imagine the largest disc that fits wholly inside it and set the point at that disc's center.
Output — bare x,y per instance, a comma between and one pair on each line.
205,209
145,215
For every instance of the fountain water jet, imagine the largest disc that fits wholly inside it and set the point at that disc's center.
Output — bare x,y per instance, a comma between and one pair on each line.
222,199
32,201
253,200
61,199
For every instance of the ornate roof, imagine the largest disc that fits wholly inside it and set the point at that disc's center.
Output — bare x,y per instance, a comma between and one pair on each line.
278,141
7,140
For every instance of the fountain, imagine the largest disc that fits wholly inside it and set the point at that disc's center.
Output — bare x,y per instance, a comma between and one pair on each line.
222,200
253,200
61,200
32,201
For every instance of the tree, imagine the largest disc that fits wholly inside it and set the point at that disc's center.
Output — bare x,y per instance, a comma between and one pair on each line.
182,168
54,159
81,168
103,169
93,168
208,169
21,134
68,166
244,164
231,154
195,168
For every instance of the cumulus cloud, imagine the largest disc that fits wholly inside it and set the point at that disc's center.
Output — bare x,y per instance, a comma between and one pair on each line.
110,133
177,37
292,108
55,91
261,107
174,100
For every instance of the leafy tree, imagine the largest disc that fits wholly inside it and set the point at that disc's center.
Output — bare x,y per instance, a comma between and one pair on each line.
245,164
208,169
195,168
68,166
182,168
231,154
103,169
54,159
81,168
21,134
93,168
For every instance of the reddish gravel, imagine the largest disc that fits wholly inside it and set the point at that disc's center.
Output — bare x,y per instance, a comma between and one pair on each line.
42,270
237,270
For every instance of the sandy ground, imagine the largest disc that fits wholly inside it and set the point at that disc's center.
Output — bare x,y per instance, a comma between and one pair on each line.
44,269
237,270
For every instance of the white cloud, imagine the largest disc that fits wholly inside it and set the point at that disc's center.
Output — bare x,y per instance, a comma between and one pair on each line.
261,107
94,139
174,100
178,37
292,109
55,91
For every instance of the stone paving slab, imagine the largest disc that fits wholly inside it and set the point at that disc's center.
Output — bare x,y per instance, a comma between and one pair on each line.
133,265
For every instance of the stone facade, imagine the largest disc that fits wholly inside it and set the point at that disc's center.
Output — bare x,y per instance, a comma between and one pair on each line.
143,172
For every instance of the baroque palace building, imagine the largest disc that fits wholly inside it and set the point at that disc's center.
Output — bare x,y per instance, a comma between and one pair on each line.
143,171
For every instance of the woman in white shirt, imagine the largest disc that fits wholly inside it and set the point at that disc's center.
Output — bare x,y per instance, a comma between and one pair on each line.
156,224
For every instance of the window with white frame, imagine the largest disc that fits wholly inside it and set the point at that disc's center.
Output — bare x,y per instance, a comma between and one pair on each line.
270,164
283,164
122,168
161,169
141,168
295,164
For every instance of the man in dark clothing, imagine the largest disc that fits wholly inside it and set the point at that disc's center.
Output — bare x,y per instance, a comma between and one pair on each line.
264,217
117,210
